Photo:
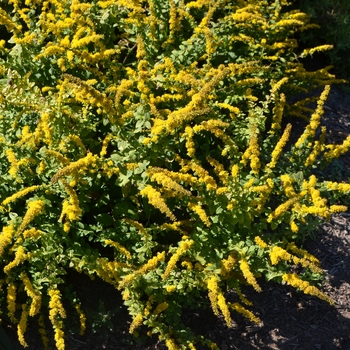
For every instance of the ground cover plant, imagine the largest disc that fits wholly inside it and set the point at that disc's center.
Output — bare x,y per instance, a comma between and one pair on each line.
146,143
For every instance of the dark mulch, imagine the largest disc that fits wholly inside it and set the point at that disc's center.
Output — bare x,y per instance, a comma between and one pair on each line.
289,320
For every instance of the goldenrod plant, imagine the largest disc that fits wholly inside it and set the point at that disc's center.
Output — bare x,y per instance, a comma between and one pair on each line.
147,144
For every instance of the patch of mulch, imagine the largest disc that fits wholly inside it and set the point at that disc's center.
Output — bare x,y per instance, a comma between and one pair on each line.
290,320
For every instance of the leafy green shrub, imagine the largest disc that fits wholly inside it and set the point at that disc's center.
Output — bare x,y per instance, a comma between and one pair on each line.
145,143
333,20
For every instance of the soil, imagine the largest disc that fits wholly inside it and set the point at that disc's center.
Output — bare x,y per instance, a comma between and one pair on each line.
290,320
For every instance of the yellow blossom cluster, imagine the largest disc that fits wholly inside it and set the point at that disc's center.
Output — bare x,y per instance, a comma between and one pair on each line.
276,153
315,119
71,210
33,294
248,275
227,266
136,322
294,280
6,237
279,254
252,152
318,147
335,151
119,247
11,301
56,314
20,256
22,325
198,209
82,319
155,198
260,242
242,310
150,265
185,245
161,177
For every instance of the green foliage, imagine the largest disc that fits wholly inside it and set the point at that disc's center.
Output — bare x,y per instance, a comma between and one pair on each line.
146,143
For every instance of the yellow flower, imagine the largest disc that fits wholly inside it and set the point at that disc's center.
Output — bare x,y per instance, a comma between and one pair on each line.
34,295
260,242
170,289
119,247
184,246
160,308
6,237
35,208
136,322
212,285
155,199
239,308
20,256
224,309
170,343
244,266
11,302
197,208
82,319
150,265
80,165
296,282
279,146
22,326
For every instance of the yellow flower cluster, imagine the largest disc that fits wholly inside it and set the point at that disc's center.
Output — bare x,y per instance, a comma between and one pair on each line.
160,308
227,266
34,295
150,265
219,170
155,198
278,109
6,237
80,165
11,301
170,343
315,119
252,153
20,256
279,254
203,175
244,266
318,148
56,313
335,151
161,177
305,286
243,311
119,247
136,322
335,186
197,208
185,245
71,210
279,147
22,326
260,242
214,291
310,52
82,319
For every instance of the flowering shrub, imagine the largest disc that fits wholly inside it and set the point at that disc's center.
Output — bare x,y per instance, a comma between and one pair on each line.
147,143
